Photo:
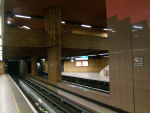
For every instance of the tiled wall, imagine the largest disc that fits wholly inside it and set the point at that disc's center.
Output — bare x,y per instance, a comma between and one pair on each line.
121,78
129,84
141,48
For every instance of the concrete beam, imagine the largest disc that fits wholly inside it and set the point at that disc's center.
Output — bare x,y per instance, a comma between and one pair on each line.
78,41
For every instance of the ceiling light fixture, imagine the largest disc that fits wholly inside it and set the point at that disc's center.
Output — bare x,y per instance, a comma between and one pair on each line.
8,22
25,27
22,16
63,22
138,27
103,54
91,55
87,26
106,29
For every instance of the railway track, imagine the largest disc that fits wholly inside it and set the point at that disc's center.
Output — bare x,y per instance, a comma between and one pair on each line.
47,100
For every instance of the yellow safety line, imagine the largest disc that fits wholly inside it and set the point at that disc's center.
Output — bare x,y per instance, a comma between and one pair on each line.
16,105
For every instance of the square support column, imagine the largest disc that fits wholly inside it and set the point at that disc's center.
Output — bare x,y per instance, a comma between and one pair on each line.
53,41
54,65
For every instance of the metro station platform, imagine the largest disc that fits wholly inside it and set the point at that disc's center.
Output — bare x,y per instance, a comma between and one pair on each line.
12,100
87,75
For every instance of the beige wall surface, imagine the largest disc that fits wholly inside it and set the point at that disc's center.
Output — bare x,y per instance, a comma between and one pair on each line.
94,65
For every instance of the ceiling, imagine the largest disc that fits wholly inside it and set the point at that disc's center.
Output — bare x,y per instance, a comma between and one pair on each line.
91,12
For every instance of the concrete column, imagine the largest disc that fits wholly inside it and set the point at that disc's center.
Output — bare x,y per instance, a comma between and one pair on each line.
34,71
54,65
46,66
25,67
53,42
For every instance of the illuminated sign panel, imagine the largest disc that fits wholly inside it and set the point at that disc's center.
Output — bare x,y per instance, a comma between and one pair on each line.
78,63
82,58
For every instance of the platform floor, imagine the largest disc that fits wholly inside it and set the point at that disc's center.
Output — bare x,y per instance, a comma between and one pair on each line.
11,99
87,75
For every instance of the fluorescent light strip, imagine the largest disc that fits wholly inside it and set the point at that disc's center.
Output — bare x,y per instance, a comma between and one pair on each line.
91,55
22,16
25,27
107,29
87,26
103,54
138,27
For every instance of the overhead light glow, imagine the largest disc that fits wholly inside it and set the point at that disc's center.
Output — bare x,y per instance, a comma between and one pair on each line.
103,54
22,16
8,22
72,60
63,22
106,29
91,55
87,26
138,27
25,27
43,60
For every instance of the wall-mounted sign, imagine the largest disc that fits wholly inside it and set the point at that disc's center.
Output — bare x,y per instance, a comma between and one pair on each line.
138,61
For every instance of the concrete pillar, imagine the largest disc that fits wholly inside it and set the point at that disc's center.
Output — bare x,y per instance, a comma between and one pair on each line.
53,42
46,66
54,65
34,71
25,67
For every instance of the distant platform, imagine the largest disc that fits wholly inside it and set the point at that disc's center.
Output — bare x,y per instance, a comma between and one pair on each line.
87,75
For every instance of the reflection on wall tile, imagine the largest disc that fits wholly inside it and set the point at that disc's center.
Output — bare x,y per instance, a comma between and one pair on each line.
121,80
